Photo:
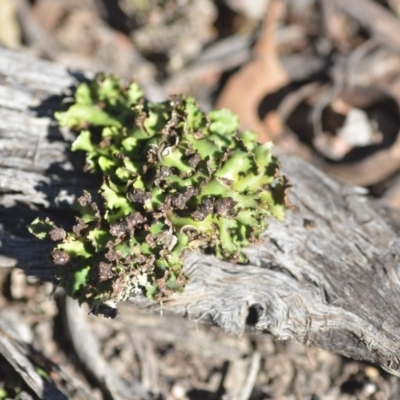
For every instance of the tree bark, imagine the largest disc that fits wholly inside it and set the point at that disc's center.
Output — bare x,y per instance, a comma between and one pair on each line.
327,276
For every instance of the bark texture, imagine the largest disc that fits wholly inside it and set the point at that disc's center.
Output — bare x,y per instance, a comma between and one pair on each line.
328,276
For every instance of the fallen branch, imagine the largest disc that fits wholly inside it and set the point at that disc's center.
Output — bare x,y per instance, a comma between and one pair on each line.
328,276
378,21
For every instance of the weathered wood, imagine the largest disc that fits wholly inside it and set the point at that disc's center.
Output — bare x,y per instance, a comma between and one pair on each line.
29,364
327,276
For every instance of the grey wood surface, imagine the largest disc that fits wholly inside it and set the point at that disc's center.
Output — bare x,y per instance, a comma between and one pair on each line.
328,276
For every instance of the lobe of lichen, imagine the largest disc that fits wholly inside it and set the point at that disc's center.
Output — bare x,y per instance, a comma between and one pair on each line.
174,178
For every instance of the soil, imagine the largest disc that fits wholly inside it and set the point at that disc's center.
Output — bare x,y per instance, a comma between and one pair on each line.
293,73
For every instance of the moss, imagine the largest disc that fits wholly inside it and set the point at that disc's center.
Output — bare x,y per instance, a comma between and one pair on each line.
174,179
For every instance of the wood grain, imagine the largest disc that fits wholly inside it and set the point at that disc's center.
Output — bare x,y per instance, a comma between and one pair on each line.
328,276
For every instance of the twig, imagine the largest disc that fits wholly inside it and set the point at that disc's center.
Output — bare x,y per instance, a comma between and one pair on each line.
46,44
381,24
88,351
18,354
252,376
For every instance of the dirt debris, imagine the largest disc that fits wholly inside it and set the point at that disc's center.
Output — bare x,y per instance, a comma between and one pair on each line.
317,77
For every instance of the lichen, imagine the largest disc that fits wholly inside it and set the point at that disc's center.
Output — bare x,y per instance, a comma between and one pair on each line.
174,179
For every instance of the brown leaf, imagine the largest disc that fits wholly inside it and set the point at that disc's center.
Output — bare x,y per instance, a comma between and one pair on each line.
246,89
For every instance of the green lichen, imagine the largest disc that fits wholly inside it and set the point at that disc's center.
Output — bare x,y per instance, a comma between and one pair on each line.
174,179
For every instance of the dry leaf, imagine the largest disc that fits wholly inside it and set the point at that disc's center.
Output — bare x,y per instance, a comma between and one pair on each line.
247,88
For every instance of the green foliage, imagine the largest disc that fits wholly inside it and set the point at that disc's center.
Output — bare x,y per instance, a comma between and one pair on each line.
174,179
